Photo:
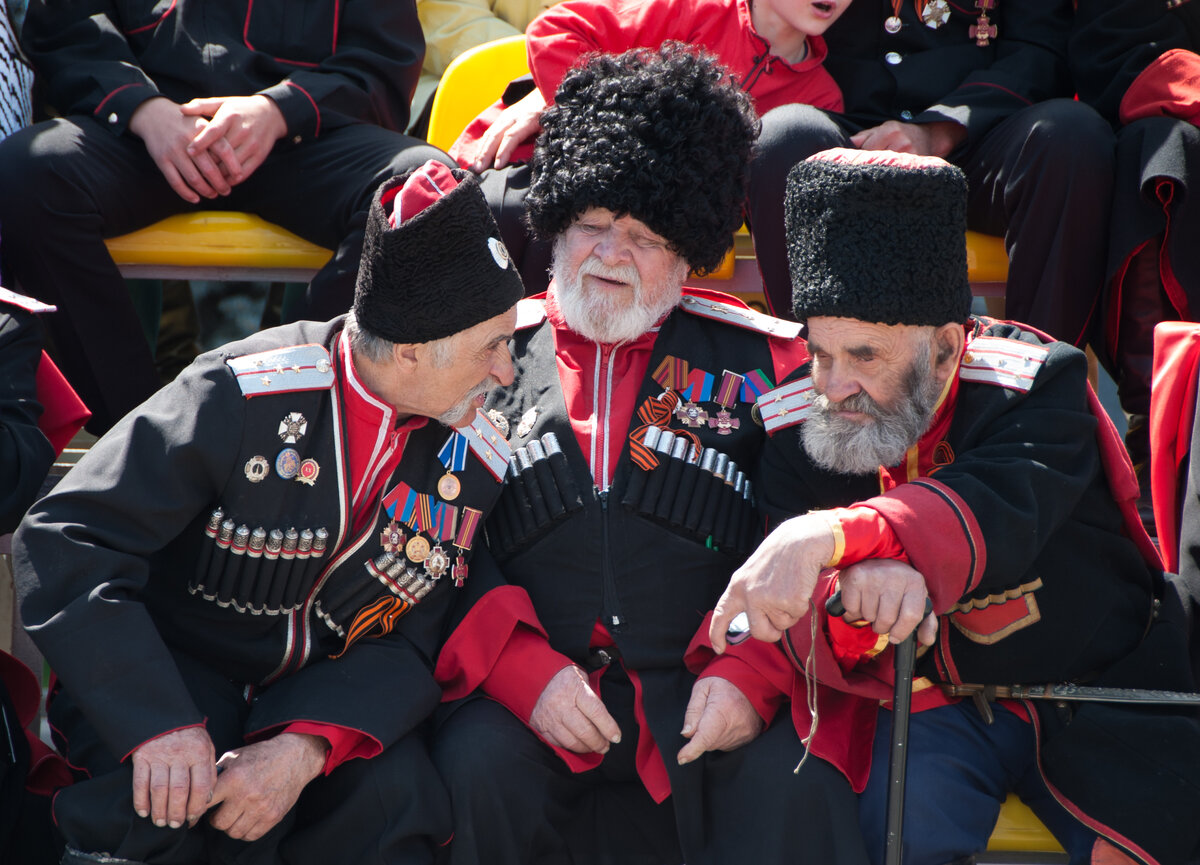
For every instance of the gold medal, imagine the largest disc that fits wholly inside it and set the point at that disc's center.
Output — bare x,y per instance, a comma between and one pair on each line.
448,486
417,549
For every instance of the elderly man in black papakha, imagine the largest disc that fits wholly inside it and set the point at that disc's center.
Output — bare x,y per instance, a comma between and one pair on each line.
257,565
930,453
566,733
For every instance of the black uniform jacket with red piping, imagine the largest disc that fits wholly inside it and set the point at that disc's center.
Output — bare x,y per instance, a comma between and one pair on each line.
924,74
631,564
1017,508
325,63
121,565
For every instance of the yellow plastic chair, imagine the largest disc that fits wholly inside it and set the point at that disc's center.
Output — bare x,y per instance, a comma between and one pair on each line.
473,81
217,244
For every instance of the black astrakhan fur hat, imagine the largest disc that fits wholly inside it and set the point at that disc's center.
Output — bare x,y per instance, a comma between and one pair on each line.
664,136
878,236
433,262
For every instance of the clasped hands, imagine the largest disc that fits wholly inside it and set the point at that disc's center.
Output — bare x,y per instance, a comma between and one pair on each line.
205,147
177,779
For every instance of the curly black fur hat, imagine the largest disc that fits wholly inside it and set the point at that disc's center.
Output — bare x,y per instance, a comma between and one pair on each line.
438,271
662,135
878,236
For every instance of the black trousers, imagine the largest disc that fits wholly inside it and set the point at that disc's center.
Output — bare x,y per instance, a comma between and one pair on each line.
389,810
69,183
1042,179
516,803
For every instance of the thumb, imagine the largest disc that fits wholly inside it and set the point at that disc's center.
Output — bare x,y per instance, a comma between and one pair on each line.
206,106
695,708
698,745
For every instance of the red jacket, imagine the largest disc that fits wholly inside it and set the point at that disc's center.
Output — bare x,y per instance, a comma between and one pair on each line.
562,34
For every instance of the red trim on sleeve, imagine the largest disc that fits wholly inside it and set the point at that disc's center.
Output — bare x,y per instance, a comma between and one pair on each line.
759,670
939,535
345,743
477,653
104,101
867,534
316,108
1014,94
1168,87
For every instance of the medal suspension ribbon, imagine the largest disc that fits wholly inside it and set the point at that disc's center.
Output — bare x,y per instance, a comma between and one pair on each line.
655,411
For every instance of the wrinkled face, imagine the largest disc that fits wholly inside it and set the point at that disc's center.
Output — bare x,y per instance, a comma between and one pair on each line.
457,374
876,392
614,277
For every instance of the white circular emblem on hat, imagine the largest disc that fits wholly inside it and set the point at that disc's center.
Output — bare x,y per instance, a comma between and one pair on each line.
499,252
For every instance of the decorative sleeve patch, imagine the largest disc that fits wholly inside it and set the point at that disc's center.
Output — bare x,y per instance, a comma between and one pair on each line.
530,312
738,316
283,370
488,444
1008,363
786,405
989,620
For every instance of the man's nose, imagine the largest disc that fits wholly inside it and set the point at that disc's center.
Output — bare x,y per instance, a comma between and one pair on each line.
502,368
836,384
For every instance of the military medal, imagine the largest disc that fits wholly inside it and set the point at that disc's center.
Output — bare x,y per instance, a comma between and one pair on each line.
392,538
691,415
256,469
499,420
417,549
308,471
453,456
292,427
437,562
287,463
525,425
892,24
464,536
983,29
936,13
727,397
459,572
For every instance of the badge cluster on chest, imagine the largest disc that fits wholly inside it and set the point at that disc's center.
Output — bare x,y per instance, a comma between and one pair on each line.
288,463
679,480
935,13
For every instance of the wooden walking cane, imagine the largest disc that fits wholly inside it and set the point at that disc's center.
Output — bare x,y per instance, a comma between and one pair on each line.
905,659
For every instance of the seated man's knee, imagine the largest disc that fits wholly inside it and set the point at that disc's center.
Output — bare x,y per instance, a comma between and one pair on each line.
416,155
1070,135
480,743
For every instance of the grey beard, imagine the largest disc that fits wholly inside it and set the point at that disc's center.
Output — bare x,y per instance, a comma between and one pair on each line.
840,445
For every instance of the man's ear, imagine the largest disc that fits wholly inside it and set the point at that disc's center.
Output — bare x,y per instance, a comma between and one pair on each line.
405,355
949,340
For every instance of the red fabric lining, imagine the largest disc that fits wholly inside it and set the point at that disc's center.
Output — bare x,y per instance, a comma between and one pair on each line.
1172,408
1168,87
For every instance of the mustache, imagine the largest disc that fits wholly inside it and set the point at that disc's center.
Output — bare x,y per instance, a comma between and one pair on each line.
858,402
621,272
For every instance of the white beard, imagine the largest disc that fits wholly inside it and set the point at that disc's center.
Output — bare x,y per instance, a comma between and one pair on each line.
603,318
841,445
